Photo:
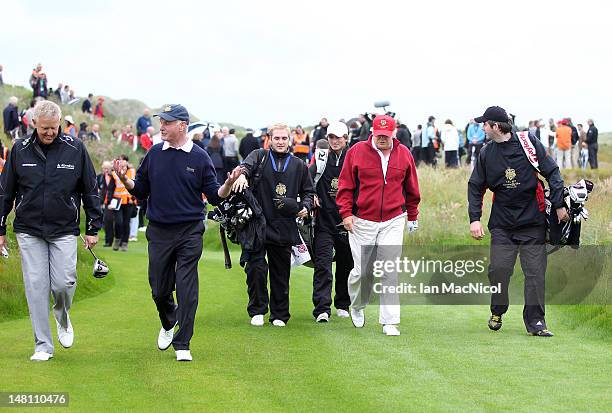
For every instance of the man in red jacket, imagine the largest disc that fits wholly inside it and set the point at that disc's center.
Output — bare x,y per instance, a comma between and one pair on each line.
378,192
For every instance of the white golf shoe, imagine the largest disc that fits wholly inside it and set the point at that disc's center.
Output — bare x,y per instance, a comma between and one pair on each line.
278,323
65,335
164,339
323,318
391,330
257,320
41,356
358,318
183,355
342,313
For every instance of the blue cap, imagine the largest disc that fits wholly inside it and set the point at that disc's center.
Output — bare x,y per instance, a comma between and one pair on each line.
173,112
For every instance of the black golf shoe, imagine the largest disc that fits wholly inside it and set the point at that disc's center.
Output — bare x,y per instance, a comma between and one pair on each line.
542,333
495,322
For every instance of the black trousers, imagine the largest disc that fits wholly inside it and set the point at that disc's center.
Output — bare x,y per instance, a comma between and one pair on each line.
430,154
324,245
122,222
416,154
505,246
593,155
174,252
279,266
451,159
229,163
477,147
109,223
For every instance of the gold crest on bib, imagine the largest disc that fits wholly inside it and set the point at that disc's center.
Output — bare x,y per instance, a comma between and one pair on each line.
334,184
281,189
510,174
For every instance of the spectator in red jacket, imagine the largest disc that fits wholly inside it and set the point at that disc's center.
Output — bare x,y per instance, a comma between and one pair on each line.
378,192
99,110
146,139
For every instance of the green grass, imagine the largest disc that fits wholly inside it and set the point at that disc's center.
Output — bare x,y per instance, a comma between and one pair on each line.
445,360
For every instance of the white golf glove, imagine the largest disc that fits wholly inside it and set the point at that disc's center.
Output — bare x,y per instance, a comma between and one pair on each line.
412,226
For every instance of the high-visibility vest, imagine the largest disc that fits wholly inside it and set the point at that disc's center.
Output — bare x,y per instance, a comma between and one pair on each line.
299,145
4,155
121,191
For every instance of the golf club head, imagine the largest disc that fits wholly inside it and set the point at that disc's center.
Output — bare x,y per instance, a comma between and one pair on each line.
100,269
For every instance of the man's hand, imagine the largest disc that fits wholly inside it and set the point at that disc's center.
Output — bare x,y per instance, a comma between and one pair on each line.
303,213
233,176
477,230
348,223
412,226
240,184
120,168
315,201
562,214
91,241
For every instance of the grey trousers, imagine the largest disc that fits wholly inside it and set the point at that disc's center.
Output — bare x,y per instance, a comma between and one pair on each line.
49,267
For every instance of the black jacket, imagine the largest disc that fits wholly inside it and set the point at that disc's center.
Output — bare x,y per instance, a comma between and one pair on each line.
247,145
328,216
592,133
518,202
105,190
404,136
258,169
10,117
48,189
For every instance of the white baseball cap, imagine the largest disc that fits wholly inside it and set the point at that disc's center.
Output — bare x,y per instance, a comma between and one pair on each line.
338,129
69,119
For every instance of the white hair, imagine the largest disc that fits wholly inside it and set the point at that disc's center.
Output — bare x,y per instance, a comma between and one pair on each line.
47,109
13,100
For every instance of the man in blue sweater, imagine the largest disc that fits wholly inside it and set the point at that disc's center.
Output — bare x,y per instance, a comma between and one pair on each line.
173,176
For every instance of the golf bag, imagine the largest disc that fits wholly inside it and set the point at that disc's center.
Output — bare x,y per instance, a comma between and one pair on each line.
241,220
568,233
574,196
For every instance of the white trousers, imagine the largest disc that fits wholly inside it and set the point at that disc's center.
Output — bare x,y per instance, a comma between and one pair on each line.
374,241
564,158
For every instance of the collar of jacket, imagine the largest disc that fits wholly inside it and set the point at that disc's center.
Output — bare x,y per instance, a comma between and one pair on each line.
396,143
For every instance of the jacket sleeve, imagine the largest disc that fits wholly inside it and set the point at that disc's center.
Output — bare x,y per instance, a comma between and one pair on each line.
347,185
8,190
142,187
251,163
90,196
307,189
477,186
411,190
550,171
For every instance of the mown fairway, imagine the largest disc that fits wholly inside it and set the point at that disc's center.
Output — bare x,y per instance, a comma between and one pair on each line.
445,360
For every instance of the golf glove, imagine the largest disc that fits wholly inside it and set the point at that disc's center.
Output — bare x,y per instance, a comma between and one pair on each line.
412,226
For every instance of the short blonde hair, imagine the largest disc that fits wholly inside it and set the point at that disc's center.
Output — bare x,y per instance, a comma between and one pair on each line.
47,109
279,126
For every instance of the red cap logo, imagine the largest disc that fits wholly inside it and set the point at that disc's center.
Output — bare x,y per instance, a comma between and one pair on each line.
383,125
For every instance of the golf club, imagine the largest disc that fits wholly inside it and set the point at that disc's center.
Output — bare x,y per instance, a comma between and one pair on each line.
100,269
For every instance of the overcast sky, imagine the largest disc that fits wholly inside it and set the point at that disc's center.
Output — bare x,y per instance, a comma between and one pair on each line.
257,62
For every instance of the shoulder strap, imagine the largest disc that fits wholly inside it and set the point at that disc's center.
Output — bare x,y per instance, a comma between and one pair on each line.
529,149
321,162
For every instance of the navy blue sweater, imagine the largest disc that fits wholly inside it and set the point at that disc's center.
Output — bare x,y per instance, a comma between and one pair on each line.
174,181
